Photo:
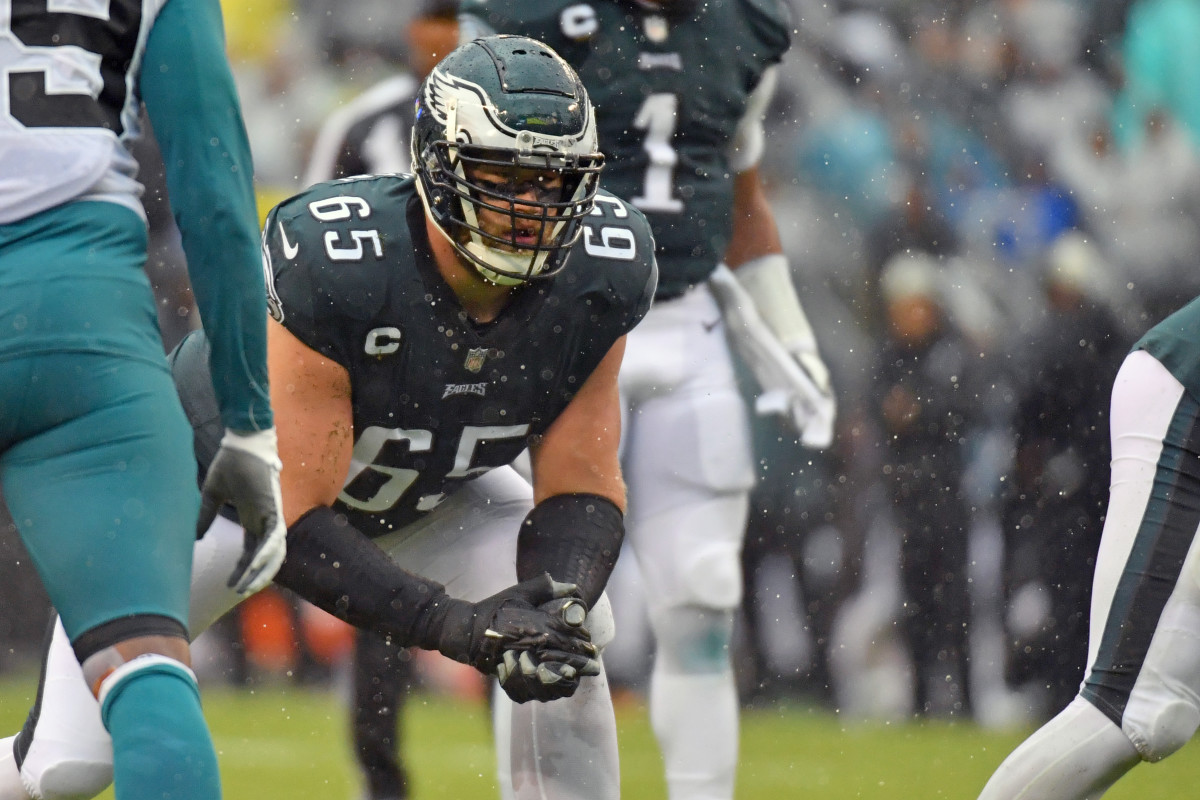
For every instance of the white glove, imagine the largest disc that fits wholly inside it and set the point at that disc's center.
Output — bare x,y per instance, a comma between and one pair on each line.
245,474
768,328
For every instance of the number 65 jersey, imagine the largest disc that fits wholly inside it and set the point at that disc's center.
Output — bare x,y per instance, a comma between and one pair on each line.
438,399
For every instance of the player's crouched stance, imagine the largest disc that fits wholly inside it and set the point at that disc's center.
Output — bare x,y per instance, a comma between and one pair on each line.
426,331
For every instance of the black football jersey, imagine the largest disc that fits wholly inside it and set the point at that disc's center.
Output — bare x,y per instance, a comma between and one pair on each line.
437,398
669,91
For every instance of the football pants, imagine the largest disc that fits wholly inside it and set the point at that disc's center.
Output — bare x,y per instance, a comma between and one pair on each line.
687,456
1140,698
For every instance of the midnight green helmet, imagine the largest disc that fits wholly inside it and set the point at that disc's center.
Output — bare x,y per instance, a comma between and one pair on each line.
506,103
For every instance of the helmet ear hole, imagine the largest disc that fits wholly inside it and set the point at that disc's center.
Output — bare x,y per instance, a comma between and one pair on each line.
506,156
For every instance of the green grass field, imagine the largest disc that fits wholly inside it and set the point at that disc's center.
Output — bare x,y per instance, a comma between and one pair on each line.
288,744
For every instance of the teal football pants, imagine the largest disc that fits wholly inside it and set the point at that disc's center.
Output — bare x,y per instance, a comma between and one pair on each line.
96,459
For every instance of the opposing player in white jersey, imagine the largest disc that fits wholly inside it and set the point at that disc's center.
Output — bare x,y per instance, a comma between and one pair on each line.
681,88
95,452
1140,698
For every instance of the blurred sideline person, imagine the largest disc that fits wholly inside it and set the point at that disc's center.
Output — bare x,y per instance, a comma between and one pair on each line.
95,457
1138,700
1055,500
680,90
426,331
923,403
370,136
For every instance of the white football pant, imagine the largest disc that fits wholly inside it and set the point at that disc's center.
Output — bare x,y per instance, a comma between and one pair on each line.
563,749
687,459
1140,699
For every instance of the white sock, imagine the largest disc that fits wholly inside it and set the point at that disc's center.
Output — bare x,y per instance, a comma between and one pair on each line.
1077,755
695,718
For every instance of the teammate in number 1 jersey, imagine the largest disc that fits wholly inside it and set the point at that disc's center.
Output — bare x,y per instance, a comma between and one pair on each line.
680,89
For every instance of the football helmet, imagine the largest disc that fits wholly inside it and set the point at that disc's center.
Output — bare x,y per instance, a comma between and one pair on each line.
505,131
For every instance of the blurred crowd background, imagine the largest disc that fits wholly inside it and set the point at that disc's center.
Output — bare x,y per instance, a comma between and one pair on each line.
985,203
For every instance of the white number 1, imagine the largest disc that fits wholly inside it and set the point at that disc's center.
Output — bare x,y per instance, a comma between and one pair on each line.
657,117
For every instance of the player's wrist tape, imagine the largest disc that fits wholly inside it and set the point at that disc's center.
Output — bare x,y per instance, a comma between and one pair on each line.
334,566
574,537
768,281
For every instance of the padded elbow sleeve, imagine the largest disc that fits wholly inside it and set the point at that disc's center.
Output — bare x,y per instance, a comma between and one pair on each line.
574,537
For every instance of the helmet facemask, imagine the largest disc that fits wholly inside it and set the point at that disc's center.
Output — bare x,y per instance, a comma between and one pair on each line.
513,216
507,163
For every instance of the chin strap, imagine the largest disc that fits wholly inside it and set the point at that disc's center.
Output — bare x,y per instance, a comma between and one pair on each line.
513,262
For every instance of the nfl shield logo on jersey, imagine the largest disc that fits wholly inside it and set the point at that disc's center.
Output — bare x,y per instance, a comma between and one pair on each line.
475,358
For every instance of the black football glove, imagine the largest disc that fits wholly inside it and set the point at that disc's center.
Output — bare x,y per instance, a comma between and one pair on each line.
245,474
513,619
544,673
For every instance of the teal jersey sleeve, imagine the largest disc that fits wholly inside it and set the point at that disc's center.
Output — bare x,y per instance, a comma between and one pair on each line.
193,106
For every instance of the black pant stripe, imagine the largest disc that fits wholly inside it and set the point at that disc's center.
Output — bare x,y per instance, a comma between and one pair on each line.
1164,536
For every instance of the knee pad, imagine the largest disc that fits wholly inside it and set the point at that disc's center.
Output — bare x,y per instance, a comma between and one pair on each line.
713,576
1162,711
600,623
71,780
1160,732
690,555
693,641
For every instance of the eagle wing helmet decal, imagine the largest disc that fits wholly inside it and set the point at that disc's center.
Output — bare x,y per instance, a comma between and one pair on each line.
442,93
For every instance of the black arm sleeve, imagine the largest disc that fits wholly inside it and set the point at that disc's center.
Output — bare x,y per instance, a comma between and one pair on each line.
574,537
337,568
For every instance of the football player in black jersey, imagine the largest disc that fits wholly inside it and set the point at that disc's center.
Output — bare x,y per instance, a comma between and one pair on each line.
681,88
427,329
